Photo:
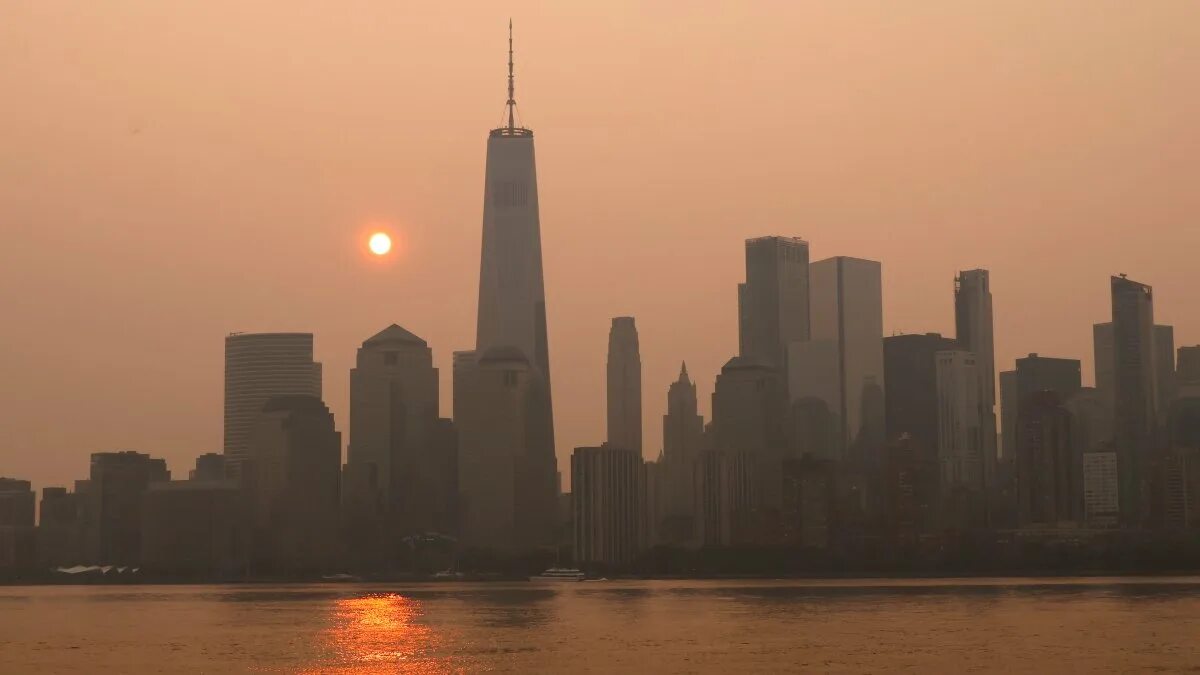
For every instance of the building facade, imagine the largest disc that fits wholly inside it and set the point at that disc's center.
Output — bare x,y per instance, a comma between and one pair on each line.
259,366
624,385
608,496
773,309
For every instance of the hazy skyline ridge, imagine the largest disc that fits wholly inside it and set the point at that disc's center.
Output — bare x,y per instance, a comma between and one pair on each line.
166,180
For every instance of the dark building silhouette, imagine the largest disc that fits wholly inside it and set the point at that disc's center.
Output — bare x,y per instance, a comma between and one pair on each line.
1049,481
197,527
401,474
608,496
259,366
16,524
727,504
294,477
808,502
1179,498
113,505
910,371
773,306
209,466
974,334
1041,373
507,473
674,486
750,420
512,297
59,532
624,385
910,488
1188,366
1164,367
1135,393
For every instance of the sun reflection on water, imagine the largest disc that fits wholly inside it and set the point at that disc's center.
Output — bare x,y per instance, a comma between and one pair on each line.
381,633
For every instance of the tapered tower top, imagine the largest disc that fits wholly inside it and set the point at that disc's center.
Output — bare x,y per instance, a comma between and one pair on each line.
510,106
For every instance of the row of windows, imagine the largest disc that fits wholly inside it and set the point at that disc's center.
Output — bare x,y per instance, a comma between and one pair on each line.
510,193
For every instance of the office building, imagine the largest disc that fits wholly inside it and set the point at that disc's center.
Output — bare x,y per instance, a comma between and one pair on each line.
846,324
395,428
973,323
507,472
16,524
624,385
59,532
512,298
961,432
209,466
1101,489
674,487
260,366
113,505
1135,392
773,302
608,496
1009,404
294,467
910,371
197,527
1049,483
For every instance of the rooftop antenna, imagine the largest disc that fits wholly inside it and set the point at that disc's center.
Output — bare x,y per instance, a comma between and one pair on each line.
512,102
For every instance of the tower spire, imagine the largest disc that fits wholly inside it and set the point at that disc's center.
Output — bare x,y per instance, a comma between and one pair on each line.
512,102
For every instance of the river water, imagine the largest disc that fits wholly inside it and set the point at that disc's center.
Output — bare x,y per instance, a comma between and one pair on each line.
977,625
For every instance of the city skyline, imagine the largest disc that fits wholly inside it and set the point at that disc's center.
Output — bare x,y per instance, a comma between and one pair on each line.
104,380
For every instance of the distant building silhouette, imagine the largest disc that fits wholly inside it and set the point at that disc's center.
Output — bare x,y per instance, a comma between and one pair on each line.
624,386
1101,489
750,420
1135,393
16,524
1187,371
209,466
974,333
844,359
683,438
773,302
294,470
910,371
808,502
397,439
608,495
259,366
60,528
1042,373
507,473
1048,474
1164,367
1009,404
113,505
961,432
196,527
512,298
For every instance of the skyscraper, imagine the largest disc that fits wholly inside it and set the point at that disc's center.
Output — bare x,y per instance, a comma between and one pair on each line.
295,460
512,298
1164,367
259,366
1043,373
114,501
844,358
683,435
1135,395
624,386
1049,477
960,441
502,404
973,323
1188,367
507,474
773,302
394,422
608,495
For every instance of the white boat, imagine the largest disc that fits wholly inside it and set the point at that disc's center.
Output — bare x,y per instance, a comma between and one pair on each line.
559,574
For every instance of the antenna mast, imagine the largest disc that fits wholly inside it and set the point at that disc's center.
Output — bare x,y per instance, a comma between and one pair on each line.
512,102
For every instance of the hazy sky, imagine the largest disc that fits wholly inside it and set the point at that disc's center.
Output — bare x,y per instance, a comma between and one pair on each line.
174,171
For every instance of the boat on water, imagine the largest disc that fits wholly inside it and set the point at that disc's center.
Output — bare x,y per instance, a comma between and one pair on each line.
559,574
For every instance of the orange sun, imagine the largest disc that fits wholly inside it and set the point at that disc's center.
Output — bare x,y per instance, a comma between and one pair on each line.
380,243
